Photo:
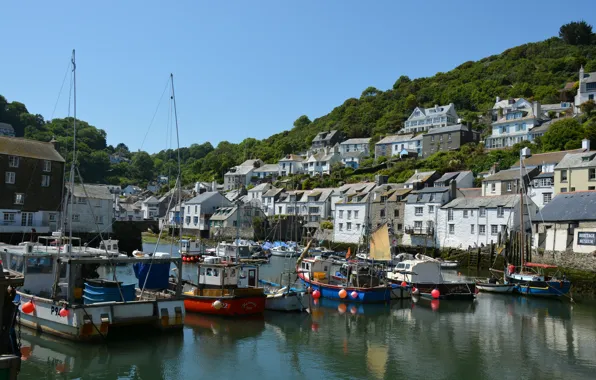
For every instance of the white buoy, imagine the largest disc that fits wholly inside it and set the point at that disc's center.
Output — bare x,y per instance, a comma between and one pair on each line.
217,305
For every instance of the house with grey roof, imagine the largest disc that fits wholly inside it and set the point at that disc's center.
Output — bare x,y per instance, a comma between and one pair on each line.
567,224
477,221
270,199
236,220
419,180
327,139
150,208
92,208
6,130
576,171
131,190
241,175
198,211
291,164
355,145
385,147
351,216
267,172
586,89
448,138
255,194
388,206
424,119
515,124
508,181
464,179
321,161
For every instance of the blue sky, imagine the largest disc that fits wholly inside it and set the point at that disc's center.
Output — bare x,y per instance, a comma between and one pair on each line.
244,68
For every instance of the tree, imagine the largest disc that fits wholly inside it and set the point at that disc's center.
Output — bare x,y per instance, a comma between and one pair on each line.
142,166
588,107
301,122
577,33
411,101
563,134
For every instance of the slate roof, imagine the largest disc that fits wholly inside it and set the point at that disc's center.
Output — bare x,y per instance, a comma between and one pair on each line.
589,77
487,202
272,192
292,157
430,190
92,191
546,158
447,129
353,155
321,194
364,140
469,192
223,213
261,187
202,197
151,199
504,103
240,170
578,160
267,168
447,177
420,177
325,136
15,146
432,111
394,138
505,175
576,206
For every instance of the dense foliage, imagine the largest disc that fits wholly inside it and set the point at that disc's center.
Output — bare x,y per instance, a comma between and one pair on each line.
536,71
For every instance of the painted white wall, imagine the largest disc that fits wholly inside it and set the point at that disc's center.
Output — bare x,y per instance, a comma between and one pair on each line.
195,213
355,233
463,236
41,221
102,210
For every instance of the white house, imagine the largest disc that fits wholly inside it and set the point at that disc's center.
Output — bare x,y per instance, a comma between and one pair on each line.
150,208
255,195
199,209
291,164
408,147
351,218
241,175
514,124
350,188
355,145
130,211
92,209
587,87
463,179
270,199
287,204
476,221
267,171
131,190
423,119
320,162
421,214
353,159
315,205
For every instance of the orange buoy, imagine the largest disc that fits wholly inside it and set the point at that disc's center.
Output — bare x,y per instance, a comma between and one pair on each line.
64,312
28,307
404,284
342,293
342,308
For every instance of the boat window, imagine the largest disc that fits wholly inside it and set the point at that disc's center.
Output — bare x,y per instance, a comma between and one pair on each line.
233,273
202,271
16,263
39,265
215,272
308,266
401,266
407,266
5,257
325,268
209,272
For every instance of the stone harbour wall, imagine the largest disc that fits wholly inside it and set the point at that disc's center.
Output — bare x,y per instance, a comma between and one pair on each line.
568,259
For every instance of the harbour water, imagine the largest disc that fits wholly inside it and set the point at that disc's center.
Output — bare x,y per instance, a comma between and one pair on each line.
495,337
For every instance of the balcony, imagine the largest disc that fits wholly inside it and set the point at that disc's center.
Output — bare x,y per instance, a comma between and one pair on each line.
428,231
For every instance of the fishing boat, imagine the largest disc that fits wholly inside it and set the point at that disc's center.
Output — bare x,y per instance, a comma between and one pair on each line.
284,298
489,287
226,289
367,286
536,282
284,251
233,252
426,280
191,250
10,349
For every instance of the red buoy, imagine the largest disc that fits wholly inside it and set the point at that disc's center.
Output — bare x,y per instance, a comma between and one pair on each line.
28,307
354,294
435,293
64,312
316,294
404,284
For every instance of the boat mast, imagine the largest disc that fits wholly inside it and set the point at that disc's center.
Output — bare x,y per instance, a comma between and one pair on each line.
521,211
74,147
179,178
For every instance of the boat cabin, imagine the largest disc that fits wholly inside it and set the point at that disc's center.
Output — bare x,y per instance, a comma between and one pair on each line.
191,246
109,245
417,271
233,252
215,274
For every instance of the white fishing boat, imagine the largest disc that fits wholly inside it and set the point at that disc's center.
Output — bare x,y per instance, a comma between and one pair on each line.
284,251
286,300
233,252
489,287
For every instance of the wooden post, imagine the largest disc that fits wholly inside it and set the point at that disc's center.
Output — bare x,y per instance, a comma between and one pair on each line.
478,258
528,248
492,251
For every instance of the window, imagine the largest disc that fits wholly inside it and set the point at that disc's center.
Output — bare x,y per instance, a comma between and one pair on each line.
431,209
99,219
471,212
500,212
349,214
563,189
482,211
355,214
399,227
451,229
481,229
494,229
47,166
432,138
348,226
76,217
509,186
418,211
9,177
13,161
19,198
52,217
449,137
357,226
81,200
418,225
196,209
465,213
563,175
341,226
547,197
195,220
493,187
45,181
591,174
572,189
382,213
9,217
503,229
187,220
472,229
396,213
341,214
450,214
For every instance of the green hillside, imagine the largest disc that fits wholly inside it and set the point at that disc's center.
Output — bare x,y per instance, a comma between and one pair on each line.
535,71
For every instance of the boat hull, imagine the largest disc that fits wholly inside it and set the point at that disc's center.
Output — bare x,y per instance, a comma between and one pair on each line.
448,291
544,289
96,322
495,288
284,254
378,294
294,301
231,306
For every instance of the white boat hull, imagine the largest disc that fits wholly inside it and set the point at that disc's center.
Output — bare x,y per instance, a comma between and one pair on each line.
449,265
495,288
284,253
93,322
287,301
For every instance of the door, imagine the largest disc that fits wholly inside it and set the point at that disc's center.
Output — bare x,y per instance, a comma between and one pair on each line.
252,277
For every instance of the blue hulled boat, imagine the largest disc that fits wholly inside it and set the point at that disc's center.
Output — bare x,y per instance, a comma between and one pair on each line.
537,283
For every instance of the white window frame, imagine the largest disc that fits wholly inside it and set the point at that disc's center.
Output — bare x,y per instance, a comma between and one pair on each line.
19,198
452,229
481,229
13,161
10,178
494,229
472,229
47,166
45,180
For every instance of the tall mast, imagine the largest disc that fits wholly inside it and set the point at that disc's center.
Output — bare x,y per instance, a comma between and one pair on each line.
521,211
179,178
74,146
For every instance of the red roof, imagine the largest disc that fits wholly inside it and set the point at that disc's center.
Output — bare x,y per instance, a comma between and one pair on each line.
538,265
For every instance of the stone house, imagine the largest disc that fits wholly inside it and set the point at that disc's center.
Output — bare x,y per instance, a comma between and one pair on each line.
388,206
227,222
448,138
92,209
327,139
507,181
587,87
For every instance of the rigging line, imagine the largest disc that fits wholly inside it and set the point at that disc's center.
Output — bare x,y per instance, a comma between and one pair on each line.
154,114
60,92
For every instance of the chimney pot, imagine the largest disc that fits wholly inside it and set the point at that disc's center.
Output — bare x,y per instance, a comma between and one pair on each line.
586,145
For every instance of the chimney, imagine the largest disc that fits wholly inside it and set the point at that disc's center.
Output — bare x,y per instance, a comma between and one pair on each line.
469,125
381,179
498,99
511,100
537,109
581,72
453,189
586,145
525,152
54,142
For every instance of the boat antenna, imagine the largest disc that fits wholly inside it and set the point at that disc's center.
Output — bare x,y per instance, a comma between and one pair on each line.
521,209
74,148
179,179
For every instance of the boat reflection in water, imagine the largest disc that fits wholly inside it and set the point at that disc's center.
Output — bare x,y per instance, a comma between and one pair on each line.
49,357
225,329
